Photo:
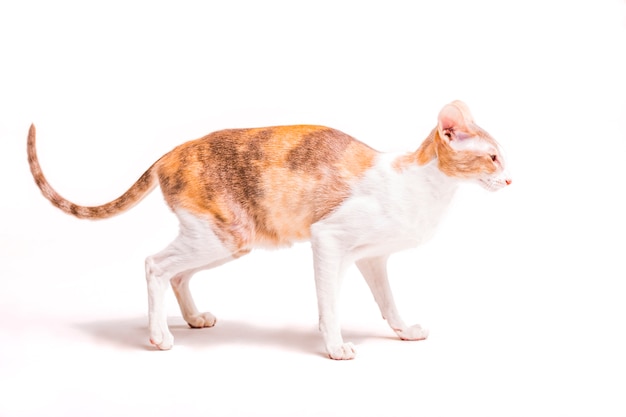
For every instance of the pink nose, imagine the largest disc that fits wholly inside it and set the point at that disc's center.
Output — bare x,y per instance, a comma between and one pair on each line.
508,181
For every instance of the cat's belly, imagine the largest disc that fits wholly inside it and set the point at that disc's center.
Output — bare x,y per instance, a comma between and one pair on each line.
382,248
264,241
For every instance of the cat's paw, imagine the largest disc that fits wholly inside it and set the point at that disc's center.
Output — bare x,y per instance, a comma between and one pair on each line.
200,320
163,341
345,351
414,332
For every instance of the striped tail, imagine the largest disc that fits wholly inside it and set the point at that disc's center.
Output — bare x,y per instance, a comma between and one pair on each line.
135,193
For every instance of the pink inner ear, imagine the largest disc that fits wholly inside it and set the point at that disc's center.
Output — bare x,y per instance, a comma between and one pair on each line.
452,118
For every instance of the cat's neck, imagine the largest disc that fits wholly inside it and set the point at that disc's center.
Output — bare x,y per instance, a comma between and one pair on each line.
439,183
431,189
423,168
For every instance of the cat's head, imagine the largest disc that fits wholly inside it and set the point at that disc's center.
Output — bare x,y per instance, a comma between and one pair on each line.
464,150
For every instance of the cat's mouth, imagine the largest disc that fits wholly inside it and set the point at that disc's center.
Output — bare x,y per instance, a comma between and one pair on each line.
494,184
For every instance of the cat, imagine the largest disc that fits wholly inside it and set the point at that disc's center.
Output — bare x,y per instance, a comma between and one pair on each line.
238,189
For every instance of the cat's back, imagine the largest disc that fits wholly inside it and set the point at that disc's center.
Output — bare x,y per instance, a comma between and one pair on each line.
297,148
295,174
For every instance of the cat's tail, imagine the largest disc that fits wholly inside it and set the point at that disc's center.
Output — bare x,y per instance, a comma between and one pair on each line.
146,183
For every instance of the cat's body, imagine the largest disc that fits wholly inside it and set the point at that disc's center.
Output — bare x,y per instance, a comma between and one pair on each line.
235,190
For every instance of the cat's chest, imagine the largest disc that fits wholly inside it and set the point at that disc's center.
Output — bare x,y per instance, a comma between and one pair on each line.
390,210
405,216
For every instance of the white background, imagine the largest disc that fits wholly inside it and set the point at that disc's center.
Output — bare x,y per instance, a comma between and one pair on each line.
522,290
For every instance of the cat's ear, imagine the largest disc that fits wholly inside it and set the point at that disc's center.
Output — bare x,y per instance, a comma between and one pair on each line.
453,121
467,115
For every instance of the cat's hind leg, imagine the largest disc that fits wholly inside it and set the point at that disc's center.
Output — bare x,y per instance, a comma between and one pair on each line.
374,271
195,319
196,247
180,285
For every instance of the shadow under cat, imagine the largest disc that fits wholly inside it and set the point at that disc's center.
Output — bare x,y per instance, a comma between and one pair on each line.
131,334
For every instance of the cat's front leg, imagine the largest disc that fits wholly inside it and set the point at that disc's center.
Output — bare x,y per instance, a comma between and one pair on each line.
329,268
374,271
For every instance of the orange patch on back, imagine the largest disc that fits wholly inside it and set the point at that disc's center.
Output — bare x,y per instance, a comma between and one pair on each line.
266,185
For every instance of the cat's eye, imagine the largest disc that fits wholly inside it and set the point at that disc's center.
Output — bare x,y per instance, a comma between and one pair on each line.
494,157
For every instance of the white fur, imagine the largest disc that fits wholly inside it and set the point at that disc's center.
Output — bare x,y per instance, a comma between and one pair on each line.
472,143
387,212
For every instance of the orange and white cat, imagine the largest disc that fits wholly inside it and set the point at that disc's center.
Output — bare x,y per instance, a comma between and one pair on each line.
235,190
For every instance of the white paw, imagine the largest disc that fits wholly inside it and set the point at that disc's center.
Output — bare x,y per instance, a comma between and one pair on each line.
414,332
163,341
201,320
344,351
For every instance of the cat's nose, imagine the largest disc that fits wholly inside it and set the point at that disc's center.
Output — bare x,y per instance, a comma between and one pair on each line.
508,181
